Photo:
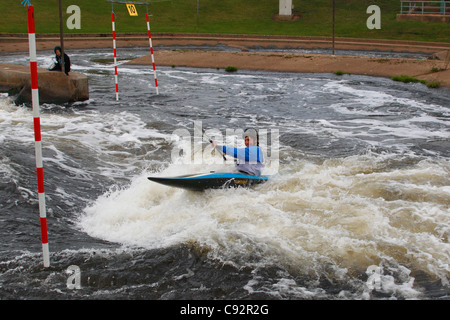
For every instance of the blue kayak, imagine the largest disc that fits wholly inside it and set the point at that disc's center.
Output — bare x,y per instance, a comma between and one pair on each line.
214,180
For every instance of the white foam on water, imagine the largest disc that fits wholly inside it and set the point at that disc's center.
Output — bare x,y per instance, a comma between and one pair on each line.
373,100
84,145
344,213
334,217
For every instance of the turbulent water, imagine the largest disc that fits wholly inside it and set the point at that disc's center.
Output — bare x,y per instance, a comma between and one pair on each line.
357,206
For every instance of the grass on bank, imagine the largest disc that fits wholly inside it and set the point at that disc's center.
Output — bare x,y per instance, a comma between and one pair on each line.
408,79
226,16
231,69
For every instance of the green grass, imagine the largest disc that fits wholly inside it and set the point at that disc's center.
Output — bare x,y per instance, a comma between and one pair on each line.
408,79
231,69
341,73
434,84
226,16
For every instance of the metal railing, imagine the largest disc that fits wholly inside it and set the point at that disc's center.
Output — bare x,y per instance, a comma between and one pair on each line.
425,7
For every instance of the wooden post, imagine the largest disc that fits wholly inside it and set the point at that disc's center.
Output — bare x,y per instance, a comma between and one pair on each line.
61,38
333,24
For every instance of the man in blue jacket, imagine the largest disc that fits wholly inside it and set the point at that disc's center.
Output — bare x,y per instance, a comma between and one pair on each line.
249,159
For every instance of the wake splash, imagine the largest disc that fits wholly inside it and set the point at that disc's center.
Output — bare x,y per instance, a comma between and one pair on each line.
334,220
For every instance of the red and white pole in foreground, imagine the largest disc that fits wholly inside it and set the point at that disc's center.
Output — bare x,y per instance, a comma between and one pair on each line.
151,51
37,134
115,54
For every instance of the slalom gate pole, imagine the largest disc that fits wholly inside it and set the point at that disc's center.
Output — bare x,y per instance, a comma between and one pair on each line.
115,54
37,133
151,51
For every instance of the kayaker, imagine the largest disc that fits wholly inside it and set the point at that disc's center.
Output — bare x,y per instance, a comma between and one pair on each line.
249,159
58,64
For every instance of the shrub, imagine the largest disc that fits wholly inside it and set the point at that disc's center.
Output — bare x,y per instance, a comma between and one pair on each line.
340,73
230,69
433,84
407,79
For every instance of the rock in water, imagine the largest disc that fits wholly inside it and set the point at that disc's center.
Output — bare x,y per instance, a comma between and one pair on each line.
54,86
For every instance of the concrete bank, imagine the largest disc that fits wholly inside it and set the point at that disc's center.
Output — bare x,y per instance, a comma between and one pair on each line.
274,61
19,42
429,70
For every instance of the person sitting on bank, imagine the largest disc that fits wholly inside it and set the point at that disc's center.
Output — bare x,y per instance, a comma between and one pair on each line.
249,159
57,66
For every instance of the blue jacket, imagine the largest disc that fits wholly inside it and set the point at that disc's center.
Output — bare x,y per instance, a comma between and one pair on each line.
250,159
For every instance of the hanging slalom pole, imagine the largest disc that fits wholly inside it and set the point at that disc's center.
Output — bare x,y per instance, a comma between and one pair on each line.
115,55
133,12
151,52
37,133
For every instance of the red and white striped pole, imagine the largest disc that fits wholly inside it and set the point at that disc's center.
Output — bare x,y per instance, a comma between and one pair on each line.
115,54
37,134
151,51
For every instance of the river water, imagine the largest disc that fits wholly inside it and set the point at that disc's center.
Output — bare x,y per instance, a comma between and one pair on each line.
357,206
